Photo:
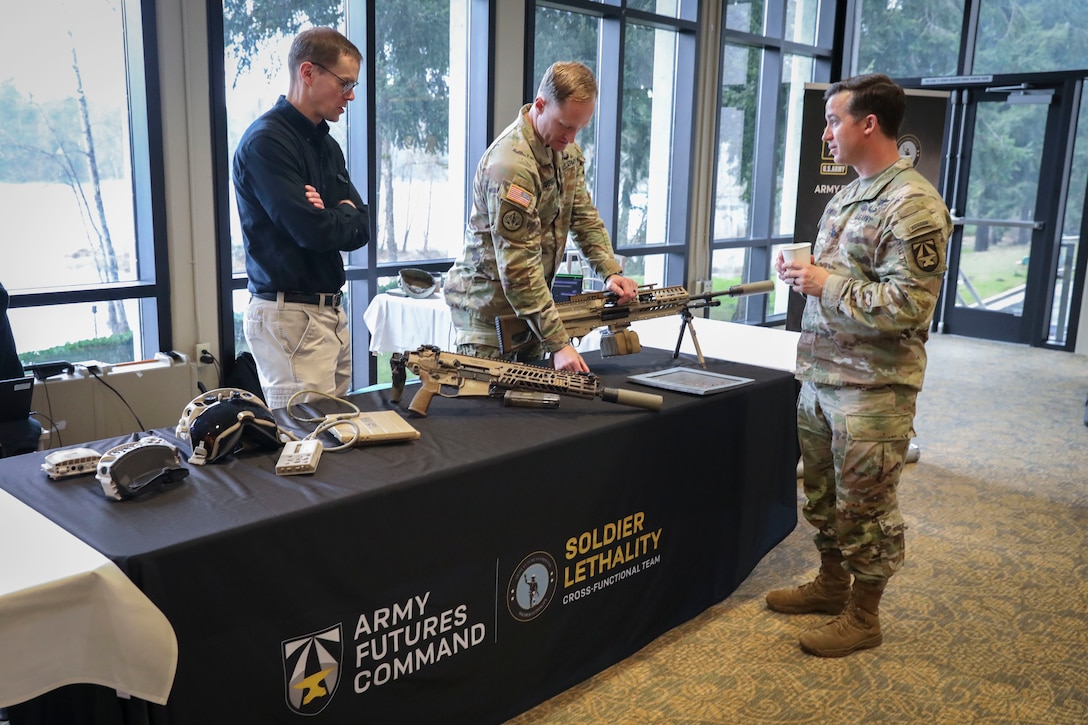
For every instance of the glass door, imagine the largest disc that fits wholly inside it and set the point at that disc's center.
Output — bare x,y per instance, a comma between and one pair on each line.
1008,170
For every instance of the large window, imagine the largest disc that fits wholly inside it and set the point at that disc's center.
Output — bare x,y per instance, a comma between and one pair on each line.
934,38
77,169
1011,36
769,51
649,102
421,117
256,75
1029,36
638,148
736,141
908,39
405,136
568,35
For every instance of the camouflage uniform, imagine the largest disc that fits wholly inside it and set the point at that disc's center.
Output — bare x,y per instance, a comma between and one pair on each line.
526,198
861,359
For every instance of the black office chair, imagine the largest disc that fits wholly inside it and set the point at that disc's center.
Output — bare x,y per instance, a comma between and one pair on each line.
16,436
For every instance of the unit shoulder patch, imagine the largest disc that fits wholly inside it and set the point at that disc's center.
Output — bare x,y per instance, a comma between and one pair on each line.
925,254
512,219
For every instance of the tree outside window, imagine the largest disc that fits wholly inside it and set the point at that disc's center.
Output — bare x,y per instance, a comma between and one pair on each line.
66,176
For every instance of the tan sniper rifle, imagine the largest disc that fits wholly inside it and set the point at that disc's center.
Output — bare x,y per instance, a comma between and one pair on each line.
451,376
583,313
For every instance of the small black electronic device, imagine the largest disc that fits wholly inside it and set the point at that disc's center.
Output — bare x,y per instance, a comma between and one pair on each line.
16,396
46,370
566,286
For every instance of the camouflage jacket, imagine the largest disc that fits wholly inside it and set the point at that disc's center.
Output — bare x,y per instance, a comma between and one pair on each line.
526,198
884,241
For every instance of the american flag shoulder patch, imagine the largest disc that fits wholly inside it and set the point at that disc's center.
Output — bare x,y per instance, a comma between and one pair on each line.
519,196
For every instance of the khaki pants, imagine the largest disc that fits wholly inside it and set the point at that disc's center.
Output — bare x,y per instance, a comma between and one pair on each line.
298,347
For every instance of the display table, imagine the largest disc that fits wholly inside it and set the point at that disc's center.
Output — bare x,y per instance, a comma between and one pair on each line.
768,347
398,323
505,556
69,615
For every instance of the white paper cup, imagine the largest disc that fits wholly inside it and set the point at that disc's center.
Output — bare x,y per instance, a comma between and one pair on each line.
799,254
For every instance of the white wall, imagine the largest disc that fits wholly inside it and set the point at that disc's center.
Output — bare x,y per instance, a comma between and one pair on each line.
80,408
509,63
190,212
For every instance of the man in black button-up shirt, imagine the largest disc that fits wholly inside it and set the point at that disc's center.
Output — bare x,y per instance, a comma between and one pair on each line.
299,210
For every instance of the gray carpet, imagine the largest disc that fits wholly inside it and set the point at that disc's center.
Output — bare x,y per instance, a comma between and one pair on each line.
986,623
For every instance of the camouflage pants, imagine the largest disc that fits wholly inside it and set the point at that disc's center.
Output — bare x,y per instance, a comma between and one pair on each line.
474,331
528,354
853,444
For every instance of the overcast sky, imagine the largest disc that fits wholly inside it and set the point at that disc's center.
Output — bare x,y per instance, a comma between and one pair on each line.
36,50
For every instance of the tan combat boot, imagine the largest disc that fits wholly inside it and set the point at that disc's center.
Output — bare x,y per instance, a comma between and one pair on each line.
858,627
828,593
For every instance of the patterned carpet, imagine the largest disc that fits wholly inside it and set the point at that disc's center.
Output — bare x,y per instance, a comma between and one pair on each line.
986,623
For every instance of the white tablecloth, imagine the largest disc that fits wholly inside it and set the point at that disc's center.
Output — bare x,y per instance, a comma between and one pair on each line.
69,615
401,323
766,347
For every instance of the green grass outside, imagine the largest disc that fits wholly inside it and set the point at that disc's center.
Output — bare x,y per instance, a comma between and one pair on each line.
994,271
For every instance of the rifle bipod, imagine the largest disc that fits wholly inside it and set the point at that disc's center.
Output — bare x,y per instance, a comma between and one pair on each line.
686,324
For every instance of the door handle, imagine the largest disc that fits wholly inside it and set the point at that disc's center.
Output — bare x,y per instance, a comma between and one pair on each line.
1029,223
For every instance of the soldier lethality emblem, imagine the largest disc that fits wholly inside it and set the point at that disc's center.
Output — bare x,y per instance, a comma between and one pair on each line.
925,254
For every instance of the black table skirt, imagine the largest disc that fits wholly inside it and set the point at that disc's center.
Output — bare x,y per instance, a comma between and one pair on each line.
397,577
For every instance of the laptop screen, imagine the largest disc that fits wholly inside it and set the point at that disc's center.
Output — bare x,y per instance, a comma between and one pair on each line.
566,286
15,398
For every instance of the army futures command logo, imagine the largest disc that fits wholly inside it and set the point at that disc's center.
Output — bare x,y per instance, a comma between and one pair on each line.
311,670
532,586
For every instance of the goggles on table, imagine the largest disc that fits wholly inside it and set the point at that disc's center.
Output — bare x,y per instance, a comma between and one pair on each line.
134,469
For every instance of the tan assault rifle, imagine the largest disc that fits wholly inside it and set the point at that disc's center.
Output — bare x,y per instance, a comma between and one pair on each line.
583,313
451,376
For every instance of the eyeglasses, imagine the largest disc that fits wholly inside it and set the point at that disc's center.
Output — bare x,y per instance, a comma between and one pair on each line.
346,86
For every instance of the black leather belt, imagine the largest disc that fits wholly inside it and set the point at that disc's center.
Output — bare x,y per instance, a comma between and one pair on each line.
329,300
